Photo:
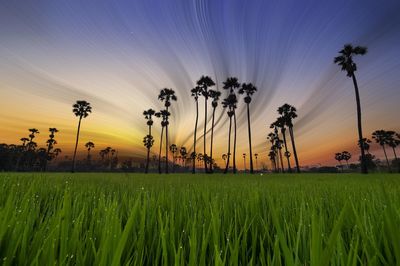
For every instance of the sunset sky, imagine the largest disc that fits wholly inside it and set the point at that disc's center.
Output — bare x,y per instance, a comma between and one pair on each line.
117,55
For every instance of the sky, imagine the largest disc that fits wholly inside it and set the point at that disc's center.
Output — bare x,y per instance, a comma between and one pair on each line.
117,55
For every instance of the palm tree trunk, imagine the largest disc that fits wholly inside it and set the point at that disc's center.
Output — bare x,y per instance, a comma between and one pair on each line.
364,169
204,135
148,155
387,160
234,143
194,139
249,129
281,159
229,145
294,149
166,145
159,154
76,144
212,138
286,150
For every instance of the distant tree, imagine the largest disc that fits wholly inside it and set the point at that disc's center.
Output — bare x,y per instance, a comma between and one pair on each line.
280,123
393,141
345,61
272,157
224,156
204,83
167,96
183,153
366,144
273,151
148,115
196,92
339,158
89,146
173,148
381,137
57,152
50,145
289,113
81,109
244,161
231,84
214,95
278,144
248,90
256,156
346,156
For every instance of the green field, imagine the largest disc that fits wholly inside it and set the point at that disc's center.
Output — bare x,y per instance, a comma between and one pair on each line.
112,219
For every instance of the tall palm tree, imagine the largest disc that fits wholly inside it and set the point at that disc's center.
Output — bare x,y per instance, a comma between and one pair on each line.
148,115
163,114
81,109
278,144
205,83
272,138
339,158
280,123
365,142
230,103
248,89
345,61
196,92
272,156
214,95
31,144
173,148
231,84
89,146
289,113
166,96
381,137
346,156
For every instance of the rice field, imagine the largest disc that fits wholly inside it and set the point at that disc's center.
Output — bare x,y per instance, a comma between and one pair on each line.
184,219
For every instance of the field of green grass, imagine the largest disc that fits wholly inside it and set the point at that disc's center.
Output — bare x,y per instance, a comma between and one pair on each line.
113,219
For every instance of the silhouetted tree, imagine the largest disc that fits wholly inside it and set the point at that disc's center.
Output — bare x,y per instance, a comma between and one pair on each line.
339,158
163,114
89,146
278,144
280,123
346,156
173,148
50,145
166,96
183,153
224,156
230,103
204,83
248,89
196,92
365,142
244,161
214,95
256,156
81,109
345,61
232,84
381,137
148,115
288,113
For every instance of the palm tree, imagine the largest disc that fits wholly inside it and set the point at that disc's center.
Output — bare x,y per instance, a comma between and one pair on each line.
289,113
173,148
204,83
89,146
166,96
148,115
280,123
248,89
339,158
148,142
272,156
24,141
214,95
183,153
381,137
365,142
50,145
81,109
31,144
346,156
272,138
278,144
232,84
230,102
345,61
196,92
164,122
57,152
224,156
